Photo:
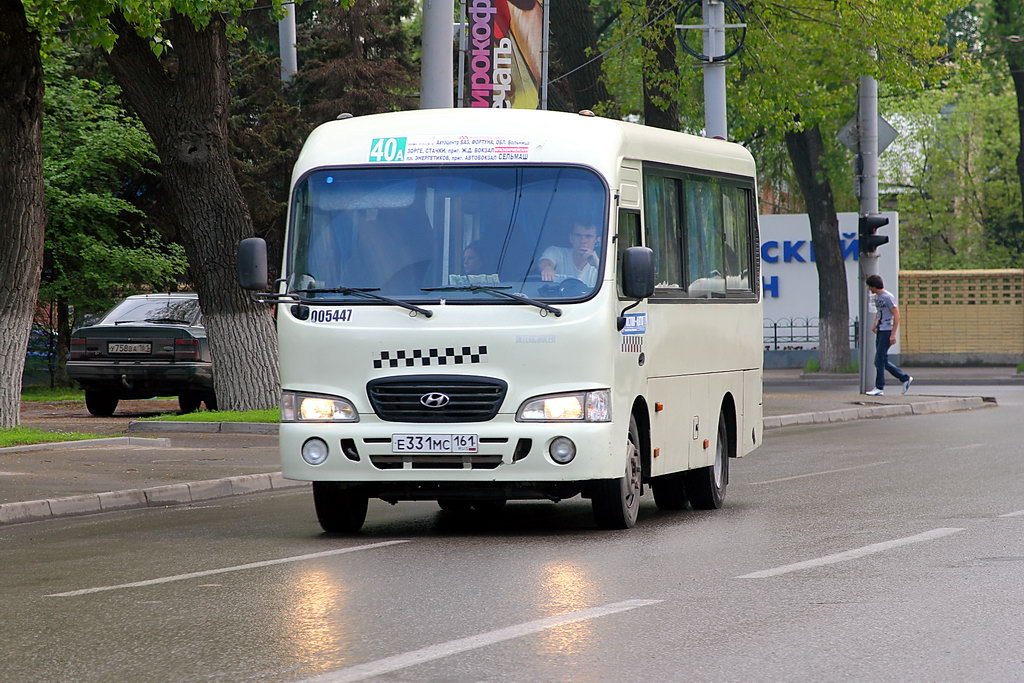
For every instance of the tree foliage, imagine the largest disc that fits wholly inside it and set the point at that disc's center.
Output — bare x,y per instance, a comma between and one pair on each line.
98,245
953,179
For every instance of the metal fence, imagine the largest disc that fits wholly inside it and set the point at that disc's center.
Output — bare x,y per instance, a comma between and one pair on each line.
797,334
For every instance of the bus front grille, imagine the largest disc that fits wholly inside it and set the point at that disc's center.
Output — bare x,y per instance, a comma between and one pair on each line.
436,398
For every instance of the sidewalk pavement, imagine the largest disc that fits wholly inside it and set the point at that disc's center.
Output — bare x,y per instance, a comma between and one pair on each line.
150,464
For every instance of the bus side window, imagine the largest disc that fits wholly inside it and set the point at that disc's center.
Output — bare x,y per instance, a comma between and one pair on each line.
628,236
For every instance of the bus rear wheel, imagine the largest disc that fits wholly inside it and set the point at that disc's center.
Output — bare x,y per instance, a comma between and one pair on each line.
339,510
670,491
707,485
616,502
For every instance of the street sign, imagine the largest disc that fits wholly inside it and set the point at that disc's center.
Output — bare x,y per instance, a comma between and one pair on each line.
849,135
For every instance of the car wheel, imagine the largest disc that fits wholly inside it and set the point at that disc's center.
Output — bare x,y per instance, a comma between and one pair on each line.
189,403
100,404
338,509
707,485
616,502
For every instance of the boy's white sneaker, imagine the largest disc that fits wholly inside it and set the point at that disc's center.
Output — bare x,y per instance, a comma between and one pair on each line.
906,385
874,392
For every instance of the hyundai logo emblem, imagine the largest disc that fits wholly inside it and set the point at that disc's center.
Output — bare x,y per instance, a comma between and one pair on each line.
435,399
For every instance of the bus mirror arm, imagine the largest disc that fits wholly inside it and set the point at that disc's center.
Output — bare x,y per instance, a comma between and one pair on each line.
620,322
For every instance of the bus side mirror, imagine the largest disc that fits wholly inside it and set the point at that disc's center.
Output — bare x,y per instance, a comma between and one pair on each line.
638,272
252,264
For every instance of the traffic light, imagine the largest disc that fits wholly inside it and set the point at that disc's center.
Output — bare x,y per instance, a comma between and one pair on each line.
866,228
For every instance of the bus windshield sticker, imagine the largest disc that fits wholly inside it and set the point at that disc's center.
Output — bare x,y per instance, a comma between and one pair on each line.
429,149
330,315
636,323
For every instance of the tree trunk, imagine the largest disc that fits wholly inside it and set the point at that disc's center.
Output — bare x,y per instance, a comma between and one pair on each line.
22,212
660,108
185,111
1008,21
575,38
806,151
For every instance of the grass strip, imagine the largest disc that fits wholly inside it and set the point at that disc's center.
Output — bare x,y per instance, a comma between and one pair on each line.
271,415
43,394
23,436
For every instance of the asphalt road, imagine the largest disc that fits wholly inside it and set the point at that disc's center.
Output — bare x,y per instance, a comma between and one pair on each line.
878,550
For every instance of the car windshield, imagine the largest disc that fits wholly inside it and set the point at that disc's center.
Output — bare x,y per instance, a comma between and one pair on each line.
448,233
168,311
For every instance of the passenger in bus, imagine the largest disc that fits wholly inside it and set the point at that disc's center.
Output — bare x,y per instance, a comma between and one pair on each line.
473,259
578,261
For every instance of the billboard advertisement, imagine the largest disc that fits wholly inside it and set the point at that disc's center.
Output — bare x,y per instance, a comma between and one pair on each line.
502,50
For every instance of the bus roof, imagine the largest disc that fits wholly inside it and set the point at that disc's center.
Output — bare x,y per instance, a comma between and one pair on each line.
467,135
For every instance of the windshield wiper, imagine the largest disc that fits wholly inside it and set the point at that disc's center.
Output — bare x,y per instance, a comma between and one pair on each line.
152,320
497,291
366,293
176,321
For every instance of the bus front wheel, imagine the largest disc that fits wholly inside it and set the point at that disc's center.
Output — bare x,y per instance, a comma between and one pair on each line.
339,509
706,485
617,501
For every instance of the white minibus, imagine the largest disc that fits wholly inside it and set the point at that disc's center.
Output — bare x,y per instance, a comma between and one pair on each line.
478,306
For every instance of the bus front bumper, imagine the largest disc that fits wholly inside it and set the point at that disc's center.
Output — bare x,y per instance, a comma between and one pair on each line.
508,451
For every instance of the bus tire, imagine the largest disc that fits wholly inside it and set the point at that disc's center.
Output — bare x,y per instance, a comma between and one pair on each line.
670,491
339,510
100,404
617,501
707,485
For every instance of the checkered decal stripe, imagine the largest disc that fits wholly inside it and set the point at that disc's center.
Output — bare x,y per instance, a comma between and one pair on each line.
451,355
632,343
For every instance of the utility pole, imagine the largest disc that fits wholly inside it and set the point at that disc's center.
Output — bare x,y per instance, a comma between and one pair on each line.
713,57
436,65
286,43
867,124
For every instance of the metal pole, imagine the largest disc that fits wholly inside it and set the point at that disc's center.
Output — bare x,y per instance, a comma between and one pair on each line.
436,65
462,29
867,123
715,125
544,58
286,42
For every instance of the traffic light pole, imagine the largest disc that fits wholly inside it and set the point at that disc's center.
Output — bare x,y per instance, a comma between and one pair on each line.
867,123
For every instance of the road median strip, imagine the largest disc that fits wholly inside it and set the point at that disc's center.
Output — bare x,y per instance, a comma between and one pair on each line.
212,489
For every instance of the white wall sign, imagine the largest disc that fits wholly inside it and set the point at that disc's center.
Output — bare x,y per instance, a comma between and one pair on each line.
789,276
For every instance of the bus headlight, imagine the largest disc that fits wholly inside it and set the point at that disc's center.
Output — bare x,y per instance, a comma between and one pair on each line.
311,408
581,406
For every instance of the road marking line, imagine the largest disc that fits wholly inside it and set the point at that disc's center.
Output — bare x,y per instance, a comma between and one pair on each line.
815,474
1018,513
388,664
224,570
851,554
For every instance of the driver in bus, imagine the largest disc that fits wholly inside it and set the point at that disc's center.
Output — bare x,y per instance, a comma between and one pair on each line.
578,261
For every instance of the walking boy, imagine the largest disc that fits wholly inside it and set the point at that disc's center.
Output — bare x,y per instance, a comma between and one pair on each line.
886,323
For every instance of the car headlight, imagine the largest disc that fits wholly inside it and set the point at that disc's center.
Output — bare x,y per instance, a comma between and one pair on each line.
312,408
580,406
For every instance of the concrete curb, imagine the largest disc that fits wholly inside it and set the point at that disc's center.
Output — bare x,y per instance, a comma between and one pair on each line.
85,443
154,496
944,405
157,427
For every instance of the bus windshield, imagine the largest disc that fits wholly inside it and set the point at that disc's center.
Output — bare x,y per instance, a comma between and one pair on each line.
465,233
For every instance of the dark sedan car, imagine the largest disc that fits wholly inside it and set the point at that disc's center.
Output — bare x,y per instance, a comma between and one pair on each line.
148,345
